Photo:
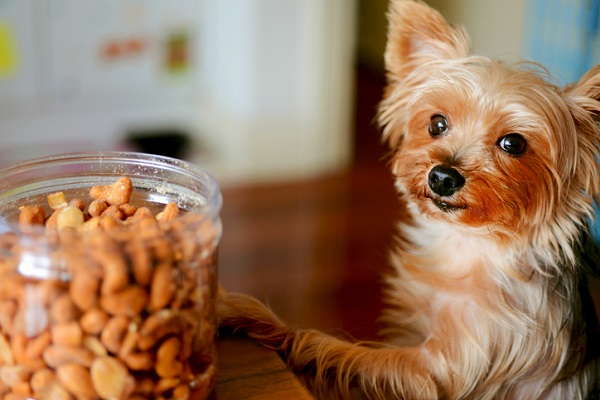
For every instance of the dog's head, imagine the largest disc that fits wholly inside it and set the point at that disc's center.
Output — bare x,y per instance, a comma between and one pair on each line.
482,145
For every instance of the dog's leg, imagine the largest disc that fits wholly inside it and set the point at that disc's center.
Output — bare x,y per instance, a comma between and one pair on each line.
337,364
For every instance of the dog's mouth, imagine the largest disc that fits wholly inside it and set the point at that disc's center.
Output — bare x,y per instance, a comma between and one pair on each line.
446,206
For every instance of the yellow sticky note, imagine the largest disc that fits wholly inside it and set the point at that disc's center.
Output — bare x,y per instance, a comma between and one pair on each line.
9,57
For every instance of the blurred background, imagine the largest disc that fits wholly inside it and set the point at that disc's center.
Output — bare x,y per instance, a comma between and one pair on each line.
254,90
276,98
251,89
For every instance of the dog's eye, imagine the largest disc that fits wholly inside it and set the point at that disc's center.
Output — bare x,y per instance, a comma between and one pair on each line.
513,144
438,125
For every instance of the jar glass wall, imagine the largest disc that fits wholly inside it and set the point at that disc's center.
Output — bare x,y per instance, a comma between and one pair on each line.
118,301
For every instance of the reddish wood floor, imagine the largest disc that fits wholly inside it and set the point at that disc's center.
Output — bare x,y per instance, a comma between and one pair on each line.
315,250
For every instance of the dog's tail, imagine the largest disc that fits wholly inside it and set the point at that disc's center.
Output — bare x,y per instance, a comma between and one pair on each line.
333,366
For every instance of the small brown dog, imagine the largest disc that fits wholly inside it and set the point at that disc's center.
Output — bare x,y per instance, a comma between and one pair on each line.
488,297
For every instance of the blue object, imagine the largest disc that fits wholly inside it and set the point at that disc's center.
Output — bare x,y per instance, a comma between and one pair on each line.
563,36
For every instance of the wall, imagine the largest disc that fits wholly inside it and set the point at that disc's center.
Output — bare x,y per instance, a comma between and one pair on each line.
496,27
279,89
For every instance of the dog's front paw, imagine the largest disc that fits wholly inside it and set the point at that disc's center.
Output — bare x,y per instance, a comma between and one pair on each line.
227,313
237,310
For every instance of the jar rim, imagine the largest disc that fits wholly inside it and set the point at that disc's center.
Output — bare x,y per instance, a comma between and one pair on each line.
209,184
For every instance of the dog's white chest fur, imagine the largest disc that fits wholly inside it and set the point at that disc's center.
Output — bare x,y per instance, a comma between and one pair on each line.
450,250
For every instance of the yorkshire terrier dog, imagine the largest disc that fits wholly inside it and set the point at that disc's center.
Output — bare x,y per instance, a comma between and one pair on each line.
488,295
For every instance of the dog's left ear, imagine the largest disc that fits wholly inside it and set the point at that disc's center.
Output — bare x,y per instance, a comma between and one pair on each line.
583,99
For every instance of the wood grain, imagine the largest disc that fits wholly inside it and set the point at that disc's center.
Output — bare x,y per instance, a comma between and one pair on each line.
250,371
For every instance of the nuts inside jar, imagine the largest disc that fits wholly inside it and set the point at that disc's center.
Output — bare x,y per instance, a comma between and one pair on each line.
108,300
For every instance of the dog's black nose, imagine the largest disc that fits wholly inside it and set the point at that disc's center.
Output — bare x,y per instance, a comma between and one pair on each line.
445,181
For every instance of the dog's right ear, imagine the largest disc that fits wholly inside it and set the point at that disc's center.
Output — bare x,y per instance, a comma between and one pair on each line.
418,34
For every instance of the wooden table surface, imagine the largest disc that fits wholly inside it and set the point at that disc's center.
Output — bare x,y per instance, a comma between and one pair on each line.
248,370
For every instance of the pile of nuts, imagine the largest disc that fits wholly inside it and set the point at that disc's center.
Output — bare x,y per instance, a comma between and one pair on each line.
108,302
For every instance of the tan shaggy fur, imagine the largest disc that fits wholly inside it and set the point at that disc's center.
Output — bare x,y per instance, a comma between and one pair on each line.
485,298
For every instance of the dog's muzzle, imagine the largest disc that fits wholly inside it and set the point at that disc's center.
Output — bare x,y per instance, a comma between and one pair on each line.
445,181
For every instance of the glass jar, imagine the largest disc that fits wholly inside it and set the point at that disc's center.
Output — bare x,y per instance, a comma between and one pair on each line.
110,305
